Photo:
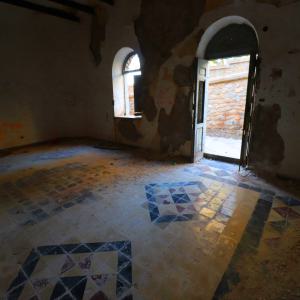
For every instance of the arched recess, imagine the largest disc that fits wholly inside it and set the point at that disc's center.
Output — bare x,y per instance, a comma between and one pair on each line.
227,37
118,82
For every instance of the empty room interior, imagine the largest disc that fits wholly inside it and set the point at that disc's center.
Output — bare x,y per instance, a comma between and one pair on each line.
149,149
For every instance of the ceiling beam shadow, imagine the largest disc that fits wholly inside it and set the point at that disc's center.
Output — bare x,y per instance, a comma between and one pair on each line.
43,9
73,4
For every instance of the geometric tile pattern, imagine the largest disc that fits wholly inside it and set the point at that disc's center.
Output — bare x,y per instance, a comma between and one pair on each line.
228,173
75,271
7,164
47,192
285,211
184,201
277,215
248,245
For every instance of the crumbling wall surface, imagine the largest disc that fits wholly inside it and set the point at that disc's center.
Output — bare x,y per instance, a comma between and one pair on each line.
128,129
50,85
157,38
266,147
276,133
167,33
46,68
157,35
119,33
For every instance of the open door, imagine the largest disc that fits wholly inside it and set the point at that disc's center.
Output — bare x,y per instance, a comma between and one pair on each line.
137,94
250,102
199,110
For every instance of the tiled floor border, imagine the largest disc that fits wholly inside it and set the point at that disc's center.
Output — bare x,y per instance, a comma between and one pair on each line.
155,216
247,245
124,272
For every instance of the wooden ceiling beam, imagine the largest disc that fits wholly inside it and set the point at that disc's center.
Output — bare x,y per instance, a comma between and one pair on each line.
43,9
110,2
73,4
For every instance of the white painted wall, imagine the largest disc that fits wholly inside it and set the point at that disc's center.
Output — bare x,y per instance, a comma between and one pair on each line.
46,76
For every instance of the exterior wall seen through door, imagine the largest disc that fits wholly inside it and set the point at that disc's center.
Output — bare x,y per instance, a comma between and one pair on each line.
227,97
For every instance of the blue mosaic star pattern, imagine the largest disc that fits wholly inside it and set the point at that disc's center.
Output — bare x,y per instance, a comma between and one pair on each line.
182,201
78,271
168,202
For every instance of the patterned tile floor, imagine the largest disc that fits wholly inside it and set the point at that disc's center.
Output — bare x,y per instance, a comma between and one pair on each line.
75,271
78,222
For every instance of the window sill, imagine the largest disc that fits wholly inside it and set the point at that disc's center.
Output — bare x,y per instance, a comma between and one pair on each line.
128,117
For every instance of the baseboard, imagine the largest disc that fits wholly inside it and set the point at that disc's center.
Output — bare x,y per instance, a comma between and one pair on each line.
7,151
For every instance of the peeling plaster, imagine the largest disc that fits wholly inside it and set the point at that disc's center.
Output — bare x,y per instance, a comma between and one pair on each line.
294,51
158,35
291,93
183,76
98,33
128,130
175,128
266,147
276,73
189,47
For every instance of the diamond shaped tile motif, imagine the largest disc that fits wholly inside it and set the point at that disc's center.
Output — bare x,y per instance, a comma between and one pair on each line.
287,212
75,271
57,195
184,201
180,198
289,201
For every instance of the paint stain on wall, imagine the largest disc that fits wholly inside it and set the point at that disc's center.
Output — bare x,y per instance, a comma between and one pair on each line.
128,129
276,73
190,46
183,76
158,34
157,30
2,134
291,93
175,129
266,147
98,33
294,51
11,125
8,129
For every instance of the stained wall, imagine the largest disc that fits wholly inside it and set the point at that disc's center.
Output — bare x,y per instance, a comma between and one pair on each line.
46,76
51,87
167,36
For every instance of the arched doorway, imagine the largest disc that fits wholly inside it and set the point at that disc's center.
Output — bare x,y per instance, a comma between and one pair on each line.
232,39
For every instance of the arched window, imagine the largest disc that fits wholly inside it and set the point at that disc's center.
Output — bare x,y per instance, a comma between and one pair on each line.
131,73
126,77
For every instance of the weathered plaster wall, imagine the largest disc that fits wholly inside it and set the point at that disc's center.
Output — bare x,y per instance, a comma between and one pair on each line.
51,87
167,33
46,76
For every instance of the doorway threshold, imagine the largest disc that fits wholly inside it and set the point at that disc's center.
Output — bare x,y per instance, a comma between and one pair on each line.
231,160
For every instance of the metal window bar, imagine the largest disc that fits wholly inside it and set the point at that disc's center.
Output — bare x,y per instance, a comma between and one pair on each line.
124,71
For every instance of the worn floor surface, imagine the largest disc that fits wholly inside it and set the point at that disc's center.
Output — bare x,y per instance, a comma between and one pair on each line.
223,146
79,222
